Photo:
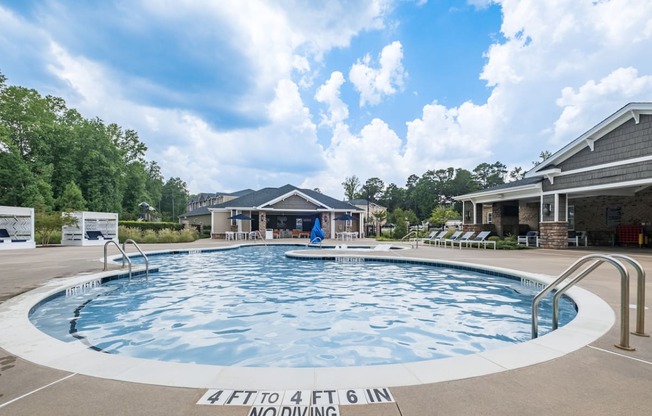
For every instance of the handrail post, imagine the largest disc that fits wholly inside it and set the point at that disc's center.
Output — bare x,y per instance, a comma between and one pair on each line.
640,294
124,256
129,240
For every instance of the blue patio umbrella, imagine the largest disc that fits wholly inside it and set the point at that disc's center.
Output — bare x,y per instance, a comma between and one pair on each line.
317,234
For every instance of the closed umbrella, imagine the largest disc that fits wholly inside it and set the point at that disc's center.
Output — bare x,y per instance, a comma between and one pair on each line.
317,234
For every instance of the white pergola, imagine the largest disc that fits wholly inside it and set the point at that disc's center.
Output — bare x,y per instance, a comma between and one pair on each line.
16,228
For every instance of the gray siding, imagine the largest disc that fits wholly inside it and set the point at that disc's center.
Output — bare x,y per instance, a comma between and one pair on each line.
634,171
295,202
627,141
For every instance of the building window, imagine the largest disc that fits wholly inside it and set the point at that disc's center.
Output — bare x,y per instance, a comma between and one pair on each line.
490,217
571,218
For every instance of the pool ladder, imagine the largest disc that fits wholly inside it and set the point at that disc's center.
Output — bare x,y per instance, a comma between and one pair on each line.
125,257
598,259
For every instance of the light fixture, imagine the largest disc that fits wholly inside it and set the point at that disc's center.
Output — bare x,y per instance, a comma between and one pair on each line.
546,209
468,215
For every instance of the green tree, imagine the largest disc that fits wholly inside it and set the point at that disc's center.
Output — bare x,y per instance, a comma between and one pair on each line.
441,214
174,199
71,199
487,175
351,185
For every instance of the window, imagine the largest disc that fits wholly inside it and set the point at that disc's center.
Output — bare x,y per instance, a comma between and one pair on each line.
571,218
490,217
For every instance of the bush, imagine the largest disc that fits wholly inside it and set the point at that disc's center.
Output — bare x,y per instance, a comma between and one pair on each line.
156,226
150,236
53,237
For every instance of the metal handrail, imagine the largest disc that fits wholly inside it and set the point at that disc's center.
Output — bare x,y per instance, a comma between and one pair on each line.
124,256
624,296
640,294
317,240
129,240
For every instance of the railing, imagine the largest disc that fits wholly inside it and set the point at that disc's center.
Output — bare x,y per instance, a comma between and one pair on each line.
624,295
316,241
129,240
416,238
124,256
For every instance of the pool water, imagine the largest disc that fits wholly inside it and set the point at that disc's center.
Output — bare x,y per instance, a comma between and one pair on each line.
255,307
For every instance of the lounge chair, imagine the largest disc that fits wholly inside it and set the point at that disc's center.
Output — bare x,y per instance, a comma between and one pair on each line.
462,239
481,238
577,237
6,238
423,239
452,238
531,237
96,235
436,239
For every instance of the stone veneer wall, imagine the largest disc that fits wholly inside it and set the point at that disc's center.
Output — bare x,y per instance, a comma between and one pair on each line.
528,214
553,235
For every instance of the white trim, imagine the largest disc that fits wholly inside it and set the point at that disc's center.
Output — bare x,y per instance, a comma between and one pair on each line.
607,165
614,185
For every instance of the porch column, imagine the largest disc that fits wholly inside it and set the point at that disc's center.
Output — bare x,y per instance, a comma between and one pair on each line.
553,229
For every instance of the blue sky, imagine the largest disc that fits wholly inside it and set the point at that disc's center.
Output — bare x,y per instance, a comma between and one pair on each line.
246,94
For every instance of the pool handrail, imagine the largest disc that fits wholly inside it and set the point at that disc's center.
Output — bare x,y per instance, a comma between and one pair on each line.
624,295
124,256
129,240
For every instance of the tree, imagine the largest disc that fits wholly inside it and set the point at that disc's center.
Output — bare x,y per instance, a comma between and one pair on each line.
351,185
516,174
442,214
371,189
71,199
487,175
174,199
543,156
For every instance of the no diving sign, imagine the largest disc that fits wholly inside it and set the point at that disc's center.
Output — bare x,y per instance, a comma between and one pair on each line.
295,402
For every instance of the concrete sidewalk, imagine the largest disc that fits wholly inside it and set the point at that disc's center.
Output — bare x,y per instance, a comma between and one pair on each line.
598,379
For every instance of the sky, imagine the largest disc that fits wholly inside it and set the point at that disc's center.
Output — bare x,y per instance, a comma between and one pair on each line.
237,94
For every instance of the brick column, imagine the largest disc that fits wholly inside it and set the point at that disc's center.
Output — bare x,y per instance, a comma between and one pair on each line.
553,235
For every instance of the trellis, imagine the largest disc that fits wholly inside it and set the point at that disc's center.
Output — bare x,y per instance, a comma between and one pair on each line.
16,228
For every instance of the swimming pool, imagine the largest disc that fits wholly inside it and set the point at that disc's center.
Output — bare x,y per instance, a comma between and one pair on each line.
255,307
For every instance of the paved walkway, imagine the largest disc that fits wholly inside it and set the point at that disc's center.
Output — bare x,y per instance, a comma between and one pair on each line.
598,379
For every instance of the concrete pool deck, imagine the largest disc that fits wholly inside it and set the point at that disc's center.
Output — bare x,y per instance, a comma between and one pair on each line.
596,379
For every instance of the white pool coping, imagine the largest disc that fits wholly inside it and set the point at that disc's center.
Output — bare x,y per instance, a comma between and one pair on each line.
19,337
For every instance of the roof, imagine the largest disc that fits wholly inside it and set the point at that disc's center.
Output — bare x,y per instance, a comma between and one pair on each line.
629,111
262,197
520,186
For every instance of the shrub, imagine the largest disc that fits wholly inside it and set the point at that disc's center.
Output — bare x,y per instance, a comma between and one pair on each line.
156,226
151,236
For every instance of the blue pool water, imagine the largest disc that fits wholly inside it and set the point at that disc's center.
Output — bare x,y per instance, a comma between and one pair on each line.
255,307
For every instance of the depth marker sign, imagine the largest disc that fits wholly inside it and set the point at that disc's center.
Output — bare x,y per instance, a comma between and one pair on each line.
295,402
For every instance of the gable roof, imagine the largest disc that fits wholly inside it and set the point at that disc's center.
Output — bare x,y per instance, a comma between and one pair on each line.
268,196
626,113
526,187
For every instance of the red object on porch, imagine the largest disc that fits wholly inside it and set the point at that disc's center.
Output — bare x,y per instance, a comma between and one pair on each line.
628,234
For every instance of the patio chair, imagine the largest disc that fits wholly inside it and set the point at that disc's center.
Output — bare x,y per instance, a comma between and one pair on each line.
452,238
575,237
531,237
96,235
436,239
423,239
481,238
462,239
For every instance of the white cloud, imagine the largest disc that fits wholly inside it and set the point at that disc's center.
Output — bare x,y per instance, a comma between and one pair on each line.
329,94
621,86
373,84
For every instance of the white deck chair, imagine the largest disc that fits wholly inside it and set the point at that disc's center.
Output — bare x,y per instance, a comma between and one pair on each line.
463,239
481,238
452,238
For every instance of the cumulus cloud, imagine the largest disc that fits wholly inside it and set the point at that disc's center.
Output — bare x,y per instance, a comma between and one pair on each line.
621,86
374,84
329,94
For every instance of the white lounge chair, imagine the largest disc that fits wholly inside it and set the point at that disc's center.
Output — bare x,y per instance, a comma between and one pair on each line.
481,238
577,237
530,238
462,239
452,238
436,239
